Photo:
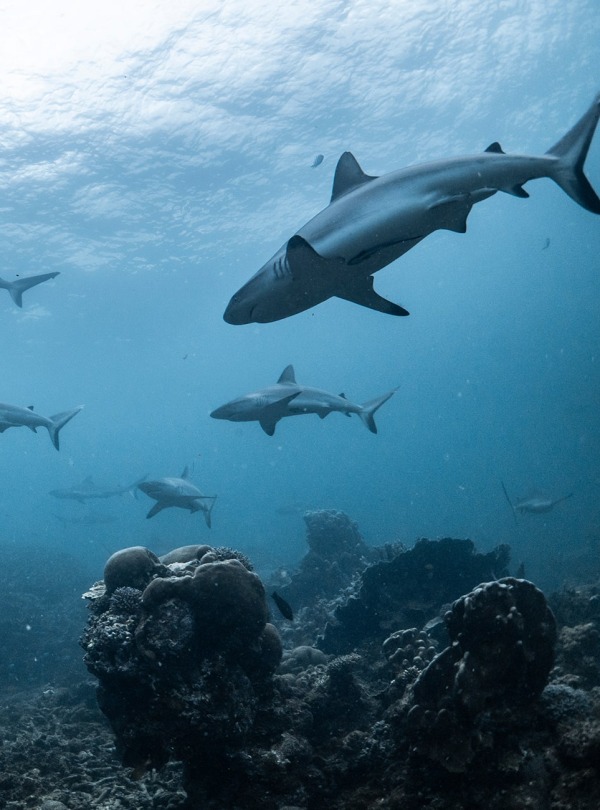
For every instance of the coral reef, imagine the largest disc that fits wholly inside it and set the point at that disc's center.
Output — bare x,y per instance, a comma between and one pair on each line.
337,553
184,663
409,590
431,705
502,648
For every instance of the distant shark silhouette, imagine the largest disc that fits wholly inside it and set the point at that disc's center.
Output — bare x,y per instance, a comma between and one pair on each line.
87,490
535,505
17,288
289,398
372,221
15,416
178,492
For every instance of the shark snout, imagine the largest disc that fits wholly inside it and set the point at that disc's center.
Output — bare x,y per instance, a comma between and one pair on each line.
237,312
223,412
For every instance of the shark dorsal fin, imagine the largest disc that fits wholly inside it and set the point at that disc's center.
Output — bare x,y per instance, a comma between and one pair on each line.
186,472
30,407
287,376
343,396
348,176
495,147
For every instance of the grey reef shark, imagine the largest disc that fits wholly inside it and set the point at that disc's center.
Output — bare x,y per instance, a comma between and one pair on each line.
17,287
534,505
289,398
178,492
87,490
372,221
16,416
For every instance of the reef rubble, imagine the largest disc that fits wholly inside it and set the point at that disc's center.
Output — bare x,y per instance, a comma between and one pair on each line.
455,690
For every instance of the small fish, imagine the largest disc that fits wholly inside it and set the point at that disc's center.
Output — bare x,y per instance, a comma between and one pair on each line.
317,161
284,608
546,244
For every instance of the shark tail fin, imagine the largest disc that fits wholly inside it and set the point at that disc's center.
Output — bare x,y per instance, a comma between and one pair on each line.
208,510
514,511
18,287
132,489
58,421
368,410
571,152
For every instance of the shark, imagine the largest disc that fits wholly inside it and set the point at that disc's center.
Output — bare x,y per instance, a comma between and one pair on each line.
288,398
87,490
16,416
372,221
180,492
534,505
20,285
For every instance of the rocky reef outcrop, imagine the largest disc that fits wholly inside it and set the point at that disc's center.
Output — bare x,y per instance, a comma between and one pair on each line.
502,640
409,589
184,654
437,700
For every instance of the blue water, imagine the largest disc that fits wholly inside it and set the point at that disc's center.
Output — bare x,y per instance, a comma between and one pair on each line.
157,160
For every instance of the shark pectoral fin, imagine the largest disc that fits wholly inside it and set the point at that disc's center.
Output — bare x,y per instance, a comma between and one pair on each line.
451,212
304,261
268,425
273,413
361,291
158,506
516,191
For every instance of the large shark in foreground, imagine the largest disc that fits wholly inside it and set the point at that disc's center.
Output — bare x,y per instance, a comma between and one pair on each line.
372,221
289,398
87,490
17,287
15,416
178,492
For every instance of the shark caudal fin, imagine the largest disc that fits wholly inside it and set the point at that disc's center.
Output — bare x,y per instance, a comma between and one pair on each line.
571,152
512,506
368,410
17,288
58,421
208,510
132,489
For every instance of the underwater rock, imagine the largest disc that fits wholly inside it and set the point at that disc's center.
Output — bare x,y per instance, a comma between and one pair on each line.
300,658
408,652
502,648
579,654
337,553
132,567
331,534
409,589
184,664
184,554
